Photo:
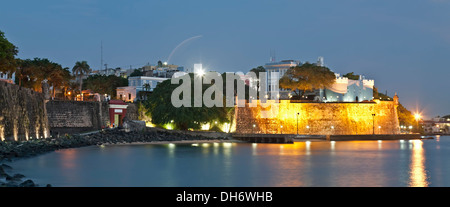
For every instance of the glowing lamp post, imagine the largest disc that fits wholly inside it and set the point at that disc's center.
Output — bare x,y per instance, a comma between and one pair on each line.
253,128
297,122
373,123
281,129
417,116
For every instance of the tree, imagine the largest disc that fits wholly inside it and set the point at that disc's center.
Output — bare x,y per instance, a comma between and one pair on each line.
147,87
160,109
307,77
351,76
32,73
136,72
103,84
257,70
80,69
405,117
8,63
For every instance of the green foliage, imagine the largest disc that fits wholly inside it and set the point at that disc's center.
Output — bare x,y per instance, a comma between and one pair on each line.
8,51
80,69
162,112
136,72
307,77
380,96
216,128
405,117
446,117
105,84
31,73
257,70
351,76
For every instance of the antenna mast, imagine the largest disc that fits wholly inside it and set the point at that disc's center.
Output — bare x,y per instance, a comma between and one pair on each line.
101,54
272,55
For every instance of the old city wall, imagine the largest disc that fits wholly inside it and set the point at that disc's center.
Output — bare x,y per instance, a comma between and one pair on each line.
82,116
76,116
22,113
319,118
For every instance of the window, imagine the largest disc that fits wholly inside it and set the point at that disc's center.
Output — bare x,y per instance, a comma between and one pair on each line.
129,96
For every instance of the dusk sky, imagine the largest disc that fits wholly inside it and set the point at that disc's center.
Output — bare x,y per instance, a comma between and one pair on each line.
403,45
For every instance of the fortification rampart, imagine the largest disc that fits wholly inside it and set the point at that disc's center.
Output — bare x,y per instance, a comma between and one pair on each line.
22,113
344,118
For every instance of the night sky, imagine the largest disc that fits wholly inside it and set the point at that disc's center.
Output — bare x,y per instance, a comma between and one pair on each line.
403,45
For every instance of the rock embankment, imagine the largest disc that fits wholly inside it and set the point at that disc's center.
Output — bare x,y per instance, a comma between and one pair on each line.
10,150
20,149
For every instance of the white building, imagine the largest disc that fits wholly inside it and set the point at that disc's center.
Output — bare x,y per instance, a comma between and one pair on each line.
343,90
137,84
347,90
4,77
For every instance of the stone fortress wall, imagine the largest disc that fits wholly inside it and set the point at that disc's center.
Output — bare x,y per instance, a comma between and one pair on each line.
82,116
22,113
338,118
76,116
26,114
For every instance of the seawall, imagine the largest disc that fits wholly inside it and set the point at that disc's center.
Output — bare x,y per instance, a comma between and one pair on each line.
82,116
76,116
22,113
349,118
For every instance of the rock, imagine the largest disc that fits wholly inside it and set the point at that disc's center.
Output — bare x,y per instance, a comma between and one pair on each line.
8,177
5,166
2,173
27,183
11,184
18,176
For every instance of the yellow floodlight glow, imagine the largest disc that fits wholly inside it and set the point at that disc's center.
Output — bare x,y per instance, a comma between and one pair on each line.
417,116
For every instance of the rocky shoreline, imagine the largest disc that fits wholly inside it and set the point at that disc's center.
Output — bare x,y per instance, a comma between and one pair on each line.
10,150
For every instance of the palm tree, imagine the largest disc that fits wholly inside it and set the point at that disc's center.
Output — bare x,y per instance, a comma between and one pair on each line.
147,87
80,69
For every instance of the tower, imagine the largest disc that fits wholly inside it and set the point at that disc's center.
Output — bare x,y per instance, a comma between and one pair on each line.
395,99
320,61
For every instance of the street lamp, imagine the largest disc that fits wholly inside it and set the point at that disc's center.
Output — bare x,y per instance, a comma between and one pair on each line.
253,128
281,129
297,121
373,123
417,116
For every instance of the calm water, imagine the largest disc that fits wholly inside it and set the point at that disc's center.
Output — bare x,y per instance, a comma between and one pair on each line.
342,163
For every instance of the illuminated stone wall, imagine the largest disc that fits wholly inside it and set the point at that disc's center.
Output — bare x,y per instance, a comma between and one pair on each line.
319,118
77,116
22,113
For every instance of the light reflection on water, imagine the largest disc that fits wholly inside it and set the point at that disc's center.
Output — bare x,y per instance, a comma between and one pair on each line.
415,163
418,174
